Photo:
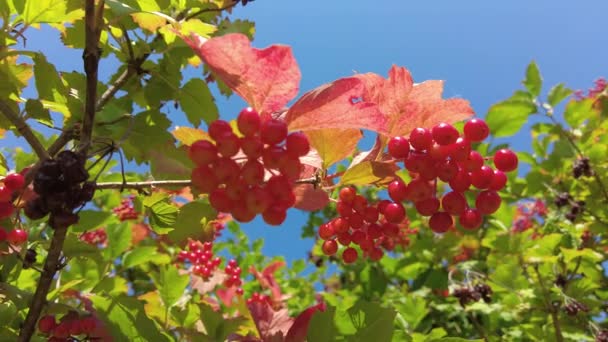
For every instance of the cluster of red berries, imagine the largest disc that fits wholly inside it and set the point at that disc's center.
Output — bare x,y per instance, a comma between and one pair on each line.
12,183
259,298
253,174
529,214
95,237
14,237
70,325
233,273
126,210
371,226
441,153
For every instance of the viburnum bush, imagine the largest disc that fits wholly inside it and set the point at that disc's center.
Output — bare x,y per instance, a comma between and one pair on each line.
432,228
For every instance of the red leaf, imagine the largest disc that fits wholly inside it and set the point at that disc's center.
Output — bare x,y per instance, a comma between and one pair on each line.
267,79
334,105
299,329
410,105
267,280
310,198
272,325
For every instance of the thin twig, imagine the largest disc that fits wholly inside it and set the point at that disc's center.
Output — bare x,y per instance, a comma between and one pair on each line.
206,10
24,130
166,183
549,306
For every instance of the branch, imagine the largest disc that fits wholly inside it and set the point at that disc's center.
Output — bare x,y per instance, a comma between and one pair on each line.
167,183
554,317
24,130
44,284
91,57
115,87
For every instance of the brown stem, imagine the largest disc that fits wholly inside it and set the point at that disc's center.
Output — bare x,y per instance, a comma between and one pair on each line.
23,129
115,87
549,307
44,284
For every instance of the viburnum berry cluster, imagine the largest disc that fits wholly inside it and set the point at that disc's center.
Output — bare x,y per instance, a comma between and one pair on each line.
14,237
126,209
468,294
573,307
12,183
250,174
95,237
72,325
62,187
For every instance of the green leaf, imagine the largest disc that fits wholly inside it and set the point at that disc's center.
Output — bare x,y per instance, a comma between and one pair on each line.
171,285
557,94
49,85
321,327
369,172
138,256
533,81
162,217
45,11
119,240
373,280
148,130
36,110
197,102
506,118
577,112
191,220
368,321
91,219
413,309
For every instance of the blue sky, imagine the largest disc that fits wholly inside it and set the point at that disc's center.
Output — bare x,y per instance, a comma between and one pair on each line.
480,48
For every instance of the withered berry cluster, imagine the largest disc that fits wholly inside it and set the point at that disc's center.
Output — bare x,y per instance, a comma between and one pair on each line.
469,294
250,174
576,207
61,185
573,307
581,168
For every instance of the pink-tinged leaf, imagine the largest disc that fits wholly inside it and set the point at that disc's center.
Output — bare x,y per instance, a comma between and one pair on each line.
267,280
299,329
372,154
333,145
188,135
266,78
310,199
205,286
408,105
336,105
370,172
272,325
226,295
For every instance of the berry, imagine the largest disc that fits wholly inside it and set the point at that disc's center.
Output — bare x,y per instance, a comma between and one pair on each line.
273,131
454,203
499,180
473,162
14,181
482,178
297,144
17,236
248,122
441,222
347,195
447,170
394,213
476,130
202,152
444,134
274,215
252,172
6,194
427,207
326,231
461,182
341,225
6,209
505,160
228,145
349,255
272,156
397,190
204,179
459,150
252,147
421,139
218,129
398,147
330,247
471,219
488,201
46,324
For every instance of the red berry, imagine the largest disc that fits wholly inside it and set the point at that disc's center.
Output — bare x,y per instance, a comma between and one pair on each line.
344,209
482,178
248,122
326,231
447,170
371,214
339,225
88,325
356,220
360,204
394,213
499,180
347,195
257,199
476,130
454,203
418,190
471,219
427,207
46,324
297,144
273,131
344,239
6,209
6,194
290,166
272,156
252,172
204,179
441,222
376,254
398,147
218,129
239,291
374,231
226,170
252,147
349,255
460,149
202,152
444,134
418,162
488,201
274,215
397,190
228,145
14,181
473,162
17,236
505,160
220,201
241,213
330,247
461,182
62,330
421,139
